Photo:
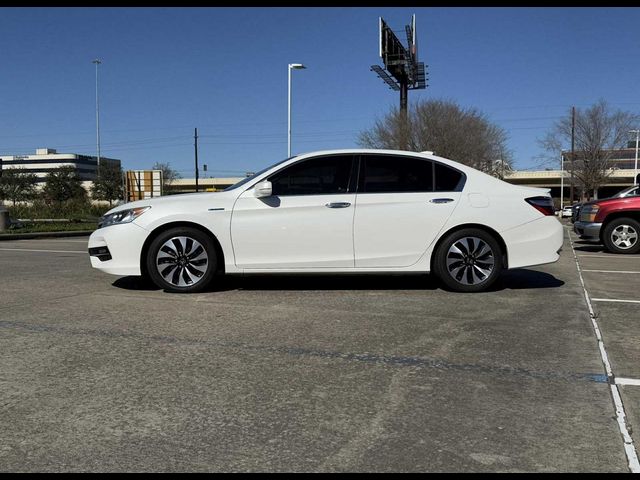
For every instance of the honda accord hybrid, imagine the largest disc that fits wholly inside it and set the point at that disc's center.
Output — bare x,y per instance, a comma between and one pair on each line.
338,211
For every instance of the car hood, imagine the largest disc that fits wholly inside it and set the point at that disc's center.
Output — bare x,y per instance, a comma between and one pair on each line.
211,198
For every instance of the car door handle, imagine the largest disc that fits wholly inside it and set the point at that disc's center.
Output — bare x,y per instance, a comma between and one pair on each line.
337,205
441,200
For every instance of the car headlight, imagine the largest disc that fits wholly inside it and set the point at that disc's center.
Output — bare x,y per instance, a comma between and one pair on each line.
123,216
588,213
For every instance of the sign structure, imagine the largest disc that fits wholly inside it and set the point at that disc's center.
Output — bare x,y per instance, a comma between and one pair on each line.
142,184
402,71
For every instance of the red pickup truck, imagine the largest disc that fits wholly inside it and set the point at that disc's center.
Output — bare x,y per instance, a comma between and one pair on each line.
613,221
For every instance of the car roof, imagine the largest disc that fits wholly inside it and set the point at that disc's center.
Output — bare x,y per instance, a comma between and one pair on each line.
426,154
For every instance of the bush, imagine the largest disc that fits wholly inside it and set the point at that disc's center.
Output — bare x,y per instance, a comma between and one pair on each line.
75,209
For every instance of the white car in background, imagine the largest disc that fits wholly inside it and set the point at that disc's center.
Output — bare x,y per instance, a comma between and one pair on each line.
567,211
339,211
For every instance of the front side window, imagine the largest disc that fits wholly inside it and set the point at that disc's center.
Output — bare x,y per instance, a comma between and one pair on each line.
390,173
317,176
257,174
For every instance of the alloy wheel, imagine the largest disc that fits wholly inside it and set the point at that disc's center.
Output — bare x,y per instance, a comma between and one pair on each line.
470,261
182,261
624,237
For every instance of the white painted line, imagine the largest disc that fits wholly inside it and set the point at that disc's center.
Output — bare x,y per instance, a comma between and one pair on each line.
614,300
612,256
45,251
627,381
611,271
52,240
629,447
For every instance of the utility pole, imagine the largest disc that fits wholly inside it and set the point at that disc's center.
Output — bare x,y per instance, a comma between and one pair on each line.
196,149
573,135
635,167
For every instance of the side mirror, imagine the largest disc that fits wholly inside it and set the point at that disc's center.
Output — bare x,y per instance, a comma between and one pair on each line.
262,189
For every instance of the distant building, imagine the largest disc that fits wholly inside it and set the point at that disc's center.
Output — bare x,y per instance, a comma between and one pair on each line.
188,185
47,160
623,158
620,175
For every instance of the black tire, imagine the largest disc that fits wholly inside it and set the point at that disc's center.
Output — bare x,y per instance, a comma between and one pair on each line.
479,265
622,235
182,260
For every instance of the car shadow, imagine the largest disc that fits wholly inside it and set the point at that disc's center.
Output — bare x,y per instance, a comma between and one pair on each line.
523,279
135,283
584,246
516,279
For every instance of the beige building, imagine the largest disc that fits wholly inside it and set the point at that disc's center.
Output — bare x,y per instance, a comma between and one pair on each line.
47,160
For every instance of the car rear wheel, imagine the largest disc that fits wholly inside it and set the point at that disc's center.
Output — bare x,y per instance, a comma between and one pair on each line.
182,260
469,260
622,235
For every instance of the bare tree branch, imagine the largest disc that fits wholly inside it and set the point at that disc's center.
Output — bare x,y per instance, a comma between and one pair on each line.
442,126
599,131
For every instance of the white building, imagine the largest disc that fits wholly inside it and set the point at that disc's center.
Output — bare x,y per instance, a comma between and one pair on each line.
47,160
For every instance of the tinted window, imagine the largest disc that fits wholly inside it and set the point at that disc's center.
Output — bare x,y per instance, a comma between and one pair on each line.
251,177
388,173
323,175
448,179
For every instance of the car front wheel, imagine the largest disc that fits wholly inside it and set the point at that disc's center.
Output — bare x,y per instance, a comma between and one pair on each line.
182,260
622,235
468,260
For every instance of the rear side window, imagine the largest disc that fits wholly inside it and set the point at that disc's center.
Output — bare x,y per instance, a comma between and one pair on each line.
389,173
448,179
317,176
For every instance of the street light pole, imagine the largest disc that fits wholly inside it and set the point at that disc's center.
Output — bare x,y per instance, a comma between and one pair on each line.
296,66
97,62
635,167
561,183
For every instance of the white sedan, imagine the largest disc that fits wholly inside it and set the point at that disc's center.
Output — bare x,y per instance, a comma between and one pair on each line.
339,211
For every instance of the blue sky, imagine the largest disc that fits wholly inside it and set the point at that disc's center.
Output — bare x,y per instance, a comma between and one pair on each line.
166,71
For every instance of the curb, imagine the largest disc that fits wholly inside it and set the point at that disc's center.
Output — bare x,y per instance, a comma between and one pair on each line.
27,236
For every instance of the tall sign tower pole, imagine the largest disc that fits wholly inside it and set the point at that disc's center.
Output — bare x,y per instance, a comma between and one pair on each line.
97,62
402,71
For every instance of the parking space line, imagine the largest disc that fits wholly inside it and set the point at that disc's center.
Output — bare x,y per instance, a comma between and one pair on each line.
614,300
612,256
629,447
627,381
45,251
611,271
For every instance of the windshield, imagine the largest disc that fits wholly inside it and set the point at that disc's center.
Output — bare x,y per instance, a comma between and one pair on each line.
251,177
626,192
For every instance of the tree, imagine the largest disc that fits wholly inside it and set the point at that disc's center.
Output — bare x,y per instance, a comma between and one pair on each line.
599,131
442,126
64,184
168,173
17,185
108,185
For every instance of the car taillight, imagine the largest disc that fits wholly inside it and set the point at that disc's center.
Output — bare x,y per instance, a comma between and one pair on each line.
543,204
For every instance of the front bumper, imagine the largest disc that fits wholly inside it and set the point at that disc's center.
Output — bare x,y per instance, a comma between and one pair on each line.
117,249
588,230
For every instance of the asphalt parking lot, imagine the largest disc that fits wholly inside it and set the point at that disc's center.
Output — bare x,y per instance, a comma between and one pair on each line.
336,373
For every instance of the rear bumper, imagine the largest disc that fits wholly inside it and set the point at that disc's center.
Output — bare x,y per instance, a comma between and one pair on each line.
534,243
588,230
